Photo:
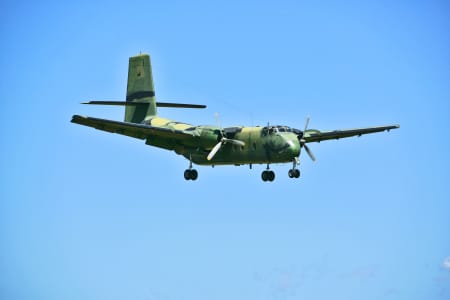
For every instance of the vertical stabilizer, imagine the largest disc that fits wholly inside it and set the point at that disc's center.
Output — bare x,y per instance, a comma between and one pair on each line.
140,89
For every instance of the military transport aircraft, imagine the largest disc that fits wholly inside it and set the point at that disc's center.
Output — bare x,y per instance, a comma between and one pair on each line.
204,144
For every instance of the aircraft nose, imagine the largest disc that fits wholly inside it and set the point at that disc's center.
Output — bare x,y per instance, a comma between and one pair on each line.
293,147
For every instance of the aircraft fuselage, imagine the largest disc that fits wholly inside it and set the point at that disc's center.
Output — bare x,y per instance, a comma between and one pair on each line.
269,144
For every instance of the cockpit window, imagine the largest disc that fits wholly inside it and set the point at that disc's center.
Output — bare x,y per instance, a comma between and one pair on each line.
275,129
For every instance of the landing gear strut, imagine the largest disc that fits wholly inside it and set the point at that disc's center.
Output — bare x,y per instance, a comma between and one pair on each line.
190,174
267,175
294,172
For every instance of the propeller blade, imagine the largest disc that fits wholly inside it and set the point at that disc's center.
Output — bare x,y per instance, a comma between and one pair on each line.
234,142
311,155
307,123
222,142
217,116
214,151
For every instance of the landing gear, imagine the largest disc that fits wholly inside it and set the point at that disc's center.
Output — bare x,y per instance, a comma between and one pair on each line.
294,172
268,175
190,174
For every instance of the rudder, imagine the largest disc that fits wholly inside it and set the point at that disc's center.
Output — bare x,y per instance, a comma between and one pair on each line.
140,89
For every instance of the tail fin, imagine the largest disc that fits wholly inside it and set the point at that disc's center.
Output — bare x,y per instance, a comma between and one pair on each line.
140,89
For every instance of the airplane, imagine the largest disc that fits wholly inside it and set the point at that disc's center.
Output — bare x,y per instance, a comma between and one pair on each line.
207,144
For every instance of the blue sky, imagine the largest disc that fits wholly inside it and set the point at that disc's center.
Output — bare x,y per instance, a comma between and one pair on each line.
89,215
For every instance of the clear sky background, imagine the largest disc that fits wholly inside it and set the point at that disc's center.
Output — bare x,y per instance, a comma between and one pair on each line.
86,214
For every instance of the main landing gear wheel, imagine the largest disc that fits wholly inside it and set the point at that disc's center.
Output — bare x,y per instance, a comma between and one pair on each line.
267,175
190,174
294,173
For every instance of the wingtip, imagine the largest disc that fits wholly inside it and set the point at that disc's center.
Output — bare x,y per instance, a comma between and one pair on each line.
76,118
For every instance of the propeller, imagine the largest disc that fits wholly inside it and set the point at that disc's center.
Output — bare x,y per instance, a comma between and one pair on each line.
222,141
303,142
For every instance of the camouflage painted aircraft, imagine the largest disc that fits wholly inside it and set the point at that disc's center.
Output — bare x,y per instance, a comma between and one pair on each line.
209,145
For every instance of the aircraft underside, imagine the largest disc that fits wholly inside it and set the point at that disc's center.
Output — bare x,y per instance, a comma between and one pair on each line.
200,158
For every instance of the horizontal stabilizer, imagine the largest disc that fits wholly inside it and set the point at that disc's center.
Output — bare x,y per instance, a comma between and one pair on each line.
158,104
180,105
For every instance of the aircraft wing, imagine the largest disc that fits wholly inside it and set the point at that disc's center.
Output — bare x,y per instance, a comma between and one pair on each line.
313,135
139,131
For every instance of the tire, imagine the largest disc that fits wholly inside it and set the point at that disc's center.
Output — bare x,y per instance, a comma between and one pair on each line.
291,173
194,174
264,176
187,174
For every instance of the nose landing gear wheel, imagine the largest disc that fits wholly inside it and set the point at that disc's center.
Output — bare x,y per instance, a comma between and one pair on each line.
294,173
291,173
